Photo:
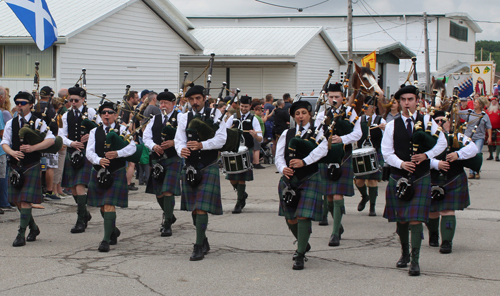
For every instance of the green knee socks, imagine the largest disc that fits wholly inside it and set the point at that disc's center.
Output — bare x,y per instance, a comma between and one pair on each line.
24,221
448,225
403,231
416,241
168,207
362,190
325,206
433,225
109,224
304,227
373,192
338,210
161,202
241,191
330,206
81,201
293,228
201,228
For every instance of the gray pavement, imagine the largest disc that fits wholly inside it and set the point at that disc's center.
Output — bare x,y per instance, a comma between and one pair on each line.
251,252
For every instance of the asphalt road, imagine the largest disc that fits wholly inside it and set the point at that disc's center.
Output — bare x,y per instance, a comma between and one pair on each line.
251,252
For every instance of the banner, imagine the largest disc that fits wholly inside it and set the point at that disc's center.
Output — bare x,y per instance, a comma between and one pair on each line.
483,74
463,82
371,59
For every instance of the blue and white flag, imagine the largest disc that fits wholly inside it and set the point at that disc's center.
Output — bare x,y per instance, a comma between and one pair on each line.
36,18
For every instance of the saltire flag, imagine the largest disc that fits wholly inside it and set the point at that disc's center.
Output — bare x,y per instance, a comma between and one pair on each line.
370,59
36,18
465,88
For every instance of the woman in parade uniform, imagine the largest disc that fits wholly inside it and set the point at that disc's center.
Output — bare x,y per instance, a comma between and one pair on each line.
108,196
450,176
302,175
201,192
25,159
397,152
165,186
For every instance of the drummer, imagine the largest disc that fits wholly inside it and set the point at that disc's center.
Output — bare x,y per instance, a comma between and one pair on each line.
252,131
376,125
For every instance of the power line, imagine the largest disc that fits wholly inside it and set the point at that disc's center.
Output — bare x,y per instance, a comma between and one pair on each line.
362,1
300,9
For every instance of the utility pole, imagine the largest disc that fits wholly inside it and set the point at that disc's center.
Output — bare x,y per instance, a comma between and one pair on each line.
481,54
349,29
427,65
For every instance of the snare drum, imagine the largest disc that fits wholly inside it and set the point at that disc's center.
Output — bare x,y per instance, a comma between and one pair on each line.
236,162
365,161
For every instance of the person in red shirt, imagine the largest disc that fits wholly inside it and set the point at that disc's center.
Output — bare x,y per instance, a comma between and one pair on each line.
494,115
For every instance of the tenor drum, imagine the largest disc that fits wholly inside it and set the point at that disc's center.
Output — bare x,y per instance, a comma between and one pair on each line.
365,161
236,162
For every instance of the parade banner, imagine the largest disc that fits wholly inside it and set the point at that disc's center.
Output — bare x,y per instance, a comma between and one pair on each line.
483,74
371,59
463,82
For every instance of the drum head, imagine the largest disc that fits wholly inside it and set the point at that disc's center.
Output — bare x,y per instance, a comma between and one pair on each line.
364,151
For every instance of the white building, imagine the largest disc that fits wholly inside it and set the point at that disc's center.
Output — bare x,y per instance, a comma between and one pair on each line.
119,42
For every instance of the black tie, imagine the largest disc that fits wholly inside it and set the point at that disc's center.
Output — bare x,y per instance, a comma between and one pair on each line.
107,129
23,121
77,113
408,127
165,120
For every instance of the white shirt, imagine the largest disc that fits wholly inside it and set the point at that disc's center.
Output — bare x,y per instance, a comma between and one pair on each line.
255,123
92,155
211,144
388,152
7,134
465,152
63,132
147,136
315,155
356,133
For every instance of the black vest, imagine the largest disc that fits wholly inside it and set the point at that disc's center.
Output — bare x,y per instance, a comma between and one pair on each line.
75,124
456,168
246,126
303,172
348,147
403,148
376,133
100,150
29,158
200,158
156,130
51,113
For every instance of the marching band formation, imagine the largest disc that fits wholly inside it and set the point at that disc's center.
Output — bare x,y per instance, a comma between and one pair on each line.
421,152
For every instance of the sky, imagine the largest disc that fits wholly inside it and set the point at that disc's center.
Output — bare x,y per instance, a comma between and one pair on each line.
485,10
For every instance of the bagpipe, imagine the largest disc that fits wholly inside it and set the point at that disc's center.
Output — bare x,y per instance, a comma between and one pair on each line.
167,133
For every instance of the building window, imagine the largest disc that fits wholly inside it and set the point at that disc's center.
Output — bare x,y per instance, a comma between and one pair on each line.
458,32
19,61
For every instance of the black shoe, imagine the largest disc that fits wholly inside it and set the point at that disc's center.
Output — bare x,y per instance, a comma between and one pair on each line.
490,158
244,200
19,241
362,203
197,253
308,248
1,212
497,159
237,208
434,239
103,246
173,219
298,262
414,269
113,239
341,230
258,166
445,247
334,241
206,246
166,230
78,228
142,183
372,211
405,256
87,218
32,235
132,187
324,221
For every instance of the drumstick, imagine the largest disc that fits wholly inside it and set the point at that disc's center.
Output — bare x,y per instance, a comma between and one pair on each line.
259,132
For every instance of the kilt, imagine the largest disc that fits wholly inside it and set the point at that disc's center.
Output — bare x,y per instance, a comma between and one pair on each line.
378,174
32,188
497,139
170,182
74,177
417,209
116,195
456,195
206,196
344,185
245,176
310,203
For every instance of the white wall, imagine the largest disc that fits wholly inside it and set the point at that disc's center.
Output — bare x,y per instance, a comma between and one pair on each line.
451,49
16,85
391,76
133,46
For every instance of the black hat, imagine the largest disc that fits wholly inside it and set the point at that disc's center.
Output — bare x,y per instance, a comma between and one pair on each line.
108,105
25,96
166,96
335,87
245,100
409,89
227,99
196,90
438,113
299,105
144,92
46,91
77,91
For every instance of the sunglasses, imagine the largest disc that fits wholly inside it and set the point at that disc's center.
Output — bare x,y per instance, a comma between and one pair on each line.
438,121
22,103
74,100
108,112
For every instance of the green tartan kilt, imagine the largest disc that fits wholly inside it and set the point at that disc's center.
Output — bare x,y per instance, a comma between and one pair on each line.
171,181
74,177
310,203
416,209
32,188
344,185
116,195
206,196
378,174
456,195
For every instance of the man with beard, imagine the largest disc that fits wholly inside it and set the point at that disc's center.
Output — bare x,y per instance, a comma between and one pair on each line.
494,115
